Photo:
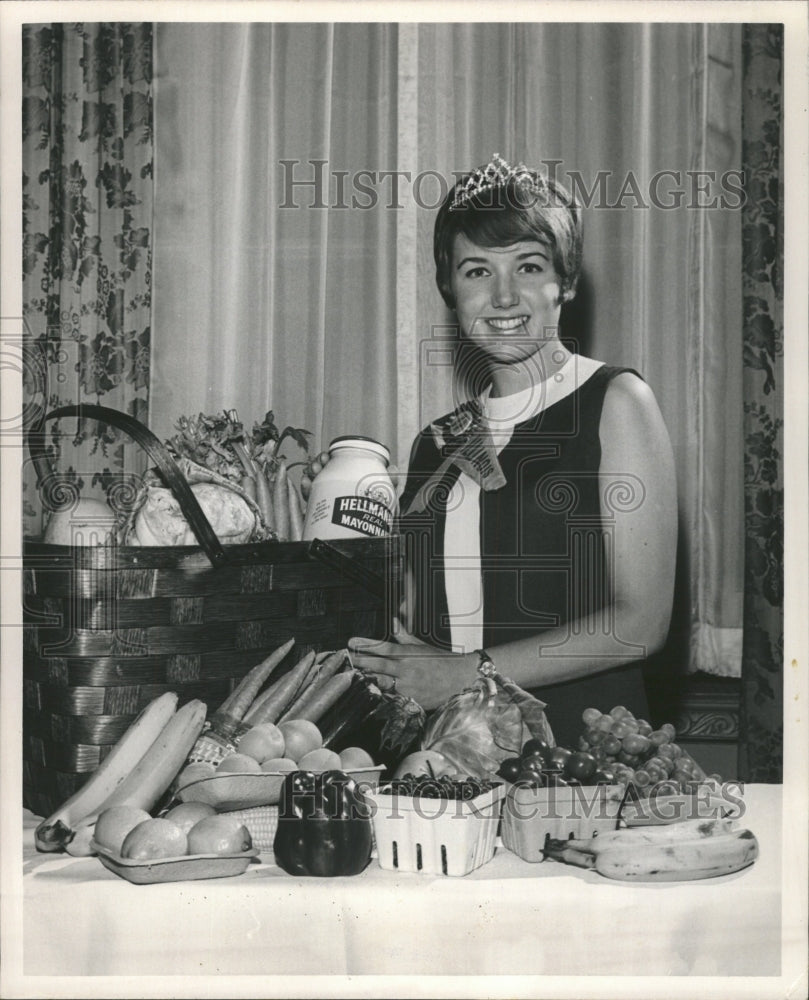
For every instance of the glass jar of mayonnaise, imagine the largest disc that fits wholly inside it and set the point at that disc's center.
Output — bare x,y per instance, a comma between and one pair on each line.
353,495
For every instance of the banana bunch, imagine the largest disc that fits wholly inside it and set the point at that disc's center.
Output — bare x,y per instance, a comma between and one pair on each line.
136,772
692,849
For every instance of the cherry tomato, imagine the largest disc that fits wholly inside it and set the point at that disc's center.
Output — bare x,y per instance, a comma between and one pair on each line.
534,746
534,779
603,776
559,756
581,765
533,761
510,768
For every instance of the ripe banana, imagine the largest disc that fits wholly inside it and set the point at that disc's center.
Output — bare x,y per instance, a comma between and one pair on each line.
54,833
687,830
706,857
158,767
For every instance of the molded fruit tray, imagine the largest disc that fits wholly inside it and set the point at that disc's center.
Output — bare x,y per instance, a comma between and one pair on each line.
532,815
182,869
232,791
435,836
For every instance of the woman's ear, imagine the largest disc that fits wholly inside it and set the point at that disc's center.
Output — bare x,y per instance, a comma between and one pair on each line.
567,296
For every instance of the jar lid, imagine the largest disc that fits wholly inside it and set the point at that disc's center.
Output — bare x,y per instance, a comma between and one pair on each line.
358,441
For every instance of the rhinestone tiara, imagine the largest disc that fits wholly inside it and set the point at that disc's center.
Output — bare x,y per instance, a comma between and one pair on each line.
497,173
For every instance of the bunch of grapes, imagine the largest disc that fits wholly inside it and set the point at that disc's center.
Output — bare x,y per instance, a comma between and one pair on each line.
633,752
427,787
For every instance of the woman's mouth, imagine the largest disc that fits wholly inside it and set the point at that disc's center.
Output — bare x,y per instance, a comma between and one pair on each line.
507,325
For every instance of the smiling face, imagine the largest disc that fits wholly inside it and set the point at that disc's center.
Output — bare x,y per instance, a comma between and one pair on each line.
508,300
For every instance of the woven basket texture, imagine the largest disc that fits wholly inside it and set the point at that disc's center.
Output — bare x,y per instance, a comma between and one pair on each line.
110,628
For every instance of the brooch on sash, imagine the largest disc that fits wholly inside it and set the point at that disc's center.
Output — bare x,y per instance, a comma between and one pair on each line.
464,439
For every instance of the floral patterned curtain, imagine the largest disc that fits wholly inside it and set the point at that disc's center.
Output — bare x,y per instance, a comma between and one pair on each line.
761,718
87,224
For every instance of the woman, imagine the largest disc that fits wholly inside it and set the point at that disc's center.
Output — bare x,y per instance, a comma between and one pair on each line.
540,517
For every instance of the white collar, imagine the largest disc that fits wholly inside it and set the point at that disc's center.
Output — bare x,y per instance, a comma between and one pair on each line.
505,411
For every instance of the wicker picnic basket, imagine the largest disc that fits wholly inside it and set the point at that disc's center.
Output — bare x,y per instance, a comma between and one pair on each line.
108,628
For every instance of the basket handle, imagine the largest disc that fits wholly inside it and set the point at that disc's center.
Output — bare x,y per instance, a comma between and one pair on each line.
154,448
349,567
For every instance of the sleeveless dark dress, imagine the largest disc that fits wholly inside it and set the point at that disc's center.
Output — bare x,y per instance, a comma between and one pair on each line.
543,547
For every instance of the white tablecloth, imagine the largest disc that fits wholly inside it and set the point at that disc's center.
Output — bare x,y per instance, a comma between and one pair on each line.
507,918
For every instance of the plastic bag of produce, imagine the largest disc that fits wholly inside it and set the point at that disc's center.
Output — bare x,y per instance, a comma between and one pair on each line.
481,726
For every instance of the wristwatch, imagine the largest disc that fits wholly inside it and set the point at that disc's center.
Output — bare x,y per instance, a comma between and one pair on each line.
486,665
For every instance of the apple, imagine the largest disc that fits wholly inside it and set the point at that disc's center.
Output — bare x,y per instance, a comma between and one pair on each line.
429,762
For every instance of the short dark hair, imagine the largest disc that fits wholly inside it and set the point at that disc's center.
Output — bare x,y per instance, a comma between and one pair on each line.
505,214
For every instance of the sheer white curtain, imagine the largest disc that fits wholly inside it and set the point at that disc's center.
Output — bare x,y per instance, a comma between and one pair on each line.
331,317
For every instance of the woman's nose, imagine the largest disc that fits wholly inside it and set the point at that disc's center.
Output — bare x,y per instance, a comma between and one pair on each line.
505,294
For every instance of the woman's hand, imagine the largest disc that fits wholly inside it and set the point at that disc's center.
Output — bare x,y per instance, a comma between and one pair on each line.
413,668
310,470
317,464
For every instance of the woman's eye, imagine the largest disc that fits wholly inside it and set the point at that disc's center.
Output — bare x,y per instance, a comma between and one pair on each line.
476,272
532,268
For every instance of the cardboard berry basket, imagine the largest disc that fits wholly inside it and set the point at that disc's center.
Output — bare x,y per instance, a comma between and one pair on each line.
533,815
110,627
435,836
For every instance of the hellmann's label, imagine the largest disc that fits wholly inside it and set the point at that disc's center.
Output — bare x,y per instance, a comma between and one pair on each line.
369,517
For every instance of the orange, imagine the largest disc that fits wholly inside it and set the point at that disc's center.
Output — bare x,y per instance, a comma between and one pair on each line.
355,757
300,736
195,772
262,742
320,760
238,763
279,764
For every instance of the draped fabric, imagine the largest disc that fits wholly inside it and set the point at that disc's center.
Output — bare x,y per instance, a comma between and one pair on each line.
87,227
297,172
761,717
292,272
265,296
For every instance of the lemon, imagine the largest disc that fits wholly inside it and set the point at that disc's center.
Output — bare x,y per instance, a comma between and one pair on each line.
114,824
222,835
153,839
186,814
